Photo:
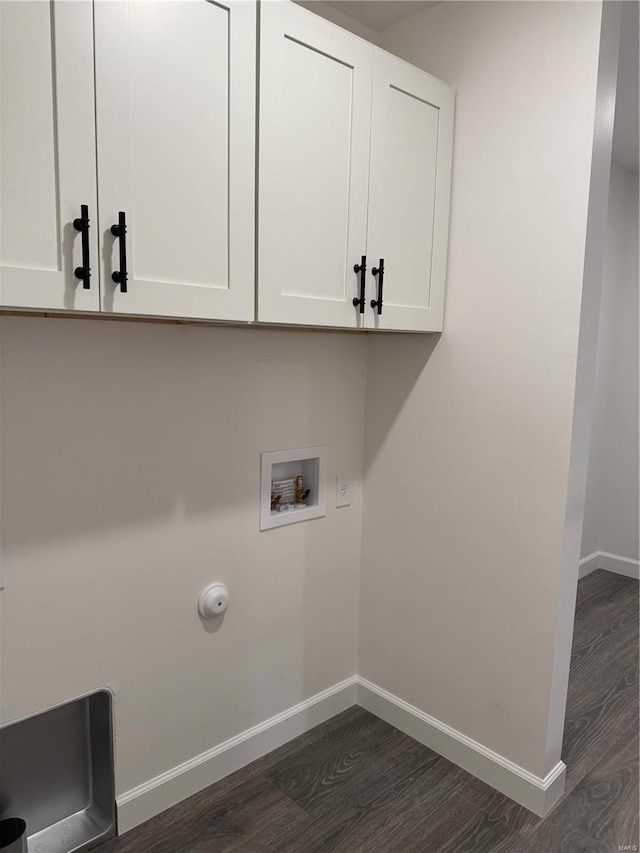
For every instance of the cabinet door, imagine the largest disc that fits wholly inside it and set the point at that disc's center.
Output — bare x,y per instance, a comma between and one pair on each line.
47,161
175,102
411,147
315,108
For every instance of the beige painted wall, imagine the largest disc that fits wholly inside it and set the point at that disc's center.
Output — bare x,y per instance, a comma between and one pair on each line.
611,511
130,476
468,437
131,452
330,13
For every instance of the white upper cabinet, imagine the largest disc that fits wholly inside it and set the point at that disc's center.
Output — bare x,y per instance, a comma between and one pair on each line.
354,160
410,178
148,108
47,160
314,134
175,107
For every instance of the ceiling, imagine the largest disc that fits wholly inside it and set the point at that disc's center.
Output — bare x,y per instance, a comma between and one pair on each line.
379,14
625,128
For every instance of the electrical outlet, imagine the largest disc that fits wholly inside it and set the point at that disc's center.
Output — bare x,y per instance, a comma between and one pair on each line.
343,490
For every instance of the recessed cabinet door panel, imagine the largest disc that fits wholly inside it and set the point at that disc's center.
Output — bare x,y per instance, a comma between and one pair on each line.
315,104
175,90
47,160
412,129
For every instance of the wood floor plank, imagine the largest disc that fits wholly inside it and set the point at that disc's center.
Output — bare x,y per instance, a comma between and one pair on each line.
609,636
602,700
601,813
609,648
501,808
408,807
470,831
391,768
336,730
213,821
596,590
597,725
325,767
267,831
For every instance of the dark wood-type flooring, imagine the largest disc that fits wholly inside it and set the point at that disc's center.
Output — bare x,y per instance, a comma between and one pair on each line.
357,785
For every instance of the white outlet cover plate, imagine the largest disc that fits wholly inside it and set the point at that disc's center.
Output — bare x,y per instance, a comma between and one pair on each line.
343,490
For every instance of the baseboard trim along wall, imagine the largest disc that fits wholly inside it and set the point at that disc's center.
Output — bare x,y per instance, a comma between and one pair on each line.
610,563
534,793
152,797
156,795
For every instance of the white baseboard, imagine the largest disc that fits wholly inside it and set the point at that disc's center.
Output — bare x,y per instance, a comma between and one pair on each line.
534,793
156,795
152,797
588,564
610,563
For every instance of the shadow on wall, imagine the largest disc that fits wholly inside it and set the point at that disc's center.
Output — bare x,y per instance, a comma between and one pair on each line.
130,480
394,365
107,425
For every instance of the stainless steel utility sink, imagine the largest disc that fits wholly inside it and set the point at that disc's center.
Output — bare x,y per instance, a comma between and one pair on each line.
57,774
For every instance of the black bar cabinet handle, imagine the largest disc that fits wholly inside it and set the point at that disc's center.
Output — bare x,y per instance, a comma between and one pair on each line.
82,224
362,269
379,272
120,231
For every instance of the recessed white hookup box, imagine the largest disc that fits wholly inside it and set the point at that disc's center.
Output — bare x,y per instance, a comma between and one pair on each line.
293,486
